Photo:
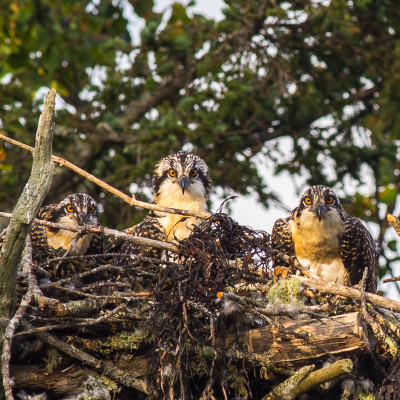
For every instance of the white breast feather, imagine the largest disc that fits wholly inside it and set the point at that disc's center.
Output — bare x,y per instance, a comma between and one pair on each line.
317,245
193,199
63,238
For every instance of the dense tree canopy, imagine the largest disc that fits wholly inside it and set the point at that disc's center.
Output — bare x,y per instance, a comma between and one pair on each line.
229,90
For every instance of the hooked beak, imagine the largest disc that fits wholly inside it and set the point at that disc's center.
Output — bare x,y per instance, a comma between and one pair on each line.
184,182
85,219
320,210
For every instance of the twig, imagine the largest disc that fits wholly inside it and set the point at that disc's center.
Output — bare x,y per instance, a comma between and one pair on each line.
106,368
284,390
352,293
106,231
33,285
386,341
26,208
12,326
87,322
394,223
130,200
394,279
323,375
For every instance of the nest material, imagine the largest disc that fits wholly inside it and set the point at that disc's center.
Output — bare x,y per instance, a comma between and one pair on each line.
175,323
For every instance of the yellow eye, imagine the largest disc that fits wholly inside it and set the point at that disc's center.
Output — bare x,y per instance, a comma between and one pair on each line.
307,201
329,200
92,209
172,173
69,208
193,173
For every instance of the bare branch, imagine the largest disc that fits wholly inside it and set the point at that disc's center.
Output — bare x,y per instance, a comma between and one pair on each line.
352,293
107,231
28,205
106,368
130,200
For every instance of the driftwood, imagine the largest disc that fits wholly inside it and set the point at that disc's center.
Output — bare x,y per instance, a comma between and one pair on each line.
340,335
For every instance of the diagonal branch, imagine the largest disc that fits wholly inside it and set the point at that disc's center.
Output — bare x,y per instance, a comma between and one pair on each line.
106,368
130,200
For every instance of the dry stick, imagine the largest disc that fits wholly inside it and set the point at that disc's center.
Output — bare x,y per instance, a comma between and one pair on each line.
33,285
104,367
385,340
323,375
283,390
12,326
130,200
352,293
395,224
106,231
87,322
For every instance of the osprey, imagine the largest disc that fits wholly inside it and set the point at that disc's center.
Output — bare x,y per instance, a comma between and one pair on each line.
75,210
334,246
180,180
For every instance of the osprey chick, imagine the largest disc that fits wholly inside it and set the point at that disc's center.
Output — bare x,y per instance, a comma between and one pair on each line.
180,180
336,247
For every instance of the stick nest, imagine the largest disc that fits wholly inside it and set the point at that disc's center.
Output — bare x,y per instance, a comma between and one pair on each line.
175,324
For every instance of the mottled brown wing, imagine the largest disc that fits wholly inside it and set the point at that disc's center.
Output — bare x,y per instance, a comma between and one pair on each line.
358,251
281,240
149,228
96,245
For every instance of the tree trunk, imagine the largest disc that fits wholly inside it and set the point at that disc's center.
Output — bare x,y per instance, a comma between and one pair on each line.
24,213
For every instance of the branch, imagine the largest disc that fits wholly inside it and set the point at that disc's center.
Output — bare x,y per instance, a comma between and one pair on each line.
352,293
106,368
323,375
12,326
283,391
394,223
130,200
106,231
28,205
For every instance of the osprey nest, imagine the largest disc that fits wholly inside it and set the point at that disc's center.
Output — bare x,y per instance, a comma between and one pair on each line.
210,322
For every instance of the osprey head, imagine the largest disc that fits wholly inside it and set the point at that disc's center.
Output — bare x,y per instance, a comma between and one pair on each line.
76,209
320,200
181,174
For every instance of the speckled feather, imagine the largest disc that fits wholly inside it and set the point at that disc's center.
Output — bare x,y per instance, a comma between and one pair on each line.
169,192
83,210
344,240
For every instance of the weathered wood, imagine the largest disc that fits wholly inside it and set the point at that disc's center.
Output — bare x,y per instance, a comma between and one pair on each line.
350,292
24,212
339,335
27,206
70,380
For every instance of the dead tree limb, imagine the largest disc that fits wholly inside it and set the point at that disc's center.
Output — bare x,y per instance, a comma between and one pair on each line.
104,367
28,205
106,231
352,293
323,375
283,391
130,200
12,326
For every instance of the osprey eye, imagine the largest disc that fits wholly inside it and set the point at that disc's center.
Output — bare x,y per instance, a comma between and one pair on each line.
307,201
172,173
69,208
193,173
92,209
329,200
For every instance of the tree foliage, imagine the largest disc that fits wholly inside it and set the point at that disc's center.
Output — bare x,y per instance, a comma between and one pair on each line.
322,73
